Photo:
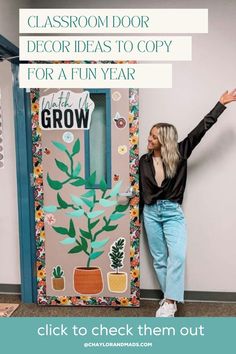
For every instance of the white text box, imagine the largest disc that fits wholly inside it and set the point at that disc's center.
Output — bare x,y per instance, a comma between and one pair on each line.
76,48
95,75
113,21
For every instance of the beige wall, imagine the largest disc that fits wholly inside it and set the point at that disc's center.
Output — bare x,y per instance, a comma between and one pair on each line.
9,18
9,239
210,194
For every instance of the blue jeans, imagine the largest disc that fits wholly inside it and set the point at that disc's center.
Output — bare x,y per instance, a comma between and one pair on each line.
166,231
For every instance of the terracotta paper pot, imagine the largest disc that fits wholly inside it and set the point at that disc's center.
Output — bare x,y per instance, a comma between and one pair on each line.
88,281
117,282
58,283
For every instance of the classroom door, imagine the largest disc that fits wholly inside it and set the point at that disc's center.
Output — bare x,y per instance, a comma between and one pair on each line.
85,156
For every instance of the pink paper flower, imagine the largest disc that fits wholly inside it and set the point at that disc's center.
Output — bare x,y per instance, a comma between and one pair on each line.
50,219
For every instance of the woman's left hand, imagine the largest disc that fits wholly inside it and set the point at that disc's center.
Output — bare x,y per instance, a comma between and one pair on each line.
228,97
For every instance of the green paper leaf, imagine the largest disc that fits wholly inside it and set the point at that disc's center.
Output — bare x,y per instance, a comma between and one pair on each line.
72,232
61,166
60,146
57,272
110,228
94,214
79,182
116,216
77,170
61,202
76,249
99,244
76,147
95,255
107,203
89,194
92,179
77,213
67,241
54,184
89,203
77,200
122,207
84,244
60,230
134,109
103,185
115,189
50,209
117,255
86,234
93,224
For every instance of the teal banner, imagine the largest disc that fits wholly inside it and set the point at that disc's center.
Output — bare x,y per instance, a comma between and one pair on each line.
117,335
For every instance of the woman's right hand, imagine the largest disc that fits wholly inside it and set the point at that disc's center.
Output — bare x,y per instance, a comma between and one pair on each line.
228,97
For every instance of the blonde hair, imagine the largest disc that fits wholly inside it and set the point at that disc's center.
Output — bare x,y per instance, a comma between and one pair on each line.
168,138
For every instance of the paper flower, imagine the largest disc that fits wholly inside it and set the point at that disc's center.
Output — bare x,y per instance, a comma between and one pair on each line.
116,96
122,149
68,137
50,219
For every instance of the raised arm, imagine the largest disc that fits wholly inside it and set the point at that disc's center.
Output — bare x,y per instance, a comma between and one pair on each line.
195,136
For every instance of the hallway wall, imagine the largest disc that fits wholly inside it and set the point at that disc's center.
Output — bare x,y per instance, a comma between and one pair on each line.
9,236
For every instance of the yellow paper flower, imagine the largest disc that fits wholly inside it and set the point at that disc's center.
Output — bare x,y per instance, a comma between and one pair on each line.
124,301
63,300
136,187
42,234
84,298
38,214
135,273
37,171
131,252
134,212
131,117
41,273
38,129
134,140
35,107
122,149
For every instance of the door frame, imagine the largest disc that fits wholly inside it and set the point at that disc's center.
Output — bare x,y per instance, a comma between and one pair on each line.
23,148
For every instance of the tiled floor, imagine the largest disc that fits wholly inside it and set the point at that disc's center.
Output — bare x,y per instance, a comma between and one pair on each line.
147,309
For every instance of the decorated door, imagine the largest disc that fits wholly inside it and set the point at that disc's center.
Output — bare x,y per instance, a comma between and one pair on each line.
85,155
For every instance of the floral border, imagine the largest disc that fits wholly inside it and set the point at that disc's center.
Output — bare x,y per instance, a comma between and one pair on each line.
134,299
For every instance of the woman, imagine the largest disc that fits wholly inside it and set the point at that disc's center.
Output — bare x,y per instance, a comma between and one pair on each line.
163,173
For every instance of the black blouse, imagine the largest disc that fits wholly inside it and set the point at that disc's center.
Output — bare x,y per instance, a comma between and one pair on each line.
173,188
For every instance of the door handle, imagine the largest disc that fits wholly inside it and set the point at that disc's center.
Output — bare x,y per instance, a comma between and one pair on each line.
130,193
